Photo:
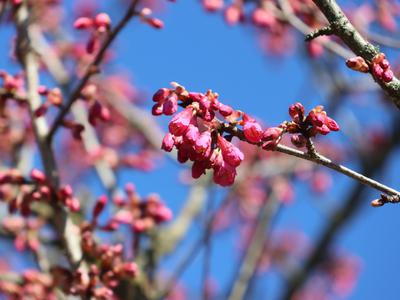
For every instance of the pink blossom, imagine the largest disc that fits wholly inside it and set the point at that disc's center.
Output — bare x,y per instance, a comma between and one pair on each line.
231,154
203,143
224,174
233,15
168,142
83,23
263,18
102,21
180,122
199,168
192,134
251,129
170,105
271,138
213,5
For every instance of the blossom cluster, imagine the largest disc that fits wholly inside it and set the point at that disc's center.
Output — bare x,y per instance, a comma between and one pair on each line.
97,26
379,67
34,285
140,214
25,230
35,189
195,132
304,126
201,137
108,269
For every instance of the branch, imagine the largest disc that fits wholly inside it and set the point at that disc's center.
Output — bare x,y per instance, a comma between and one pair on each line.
321,160
338,219
255,249
89,137
286,13
343,29
93,68
67,230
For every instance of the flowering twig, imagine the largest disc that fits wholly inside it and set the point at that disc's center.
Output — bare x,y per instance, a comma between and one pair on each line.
93,67
201,137
324,161
339,218
343,29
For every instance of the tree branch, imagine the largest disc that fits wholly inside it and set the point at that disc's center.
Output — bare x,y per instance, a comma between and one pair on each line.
343,29
93,68
67,230
321,160
255,248
339,219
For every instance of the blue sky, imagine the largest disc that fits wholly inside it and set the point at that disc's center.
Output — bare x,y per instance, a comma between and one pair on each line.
200,51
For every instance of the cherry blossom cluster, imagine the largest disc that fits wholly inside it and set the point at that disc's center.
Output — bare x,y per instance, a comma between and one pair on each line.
304,126
199,136
35,189
379,67
335,278
140,214
25,230
53,97
13,86
274,34
34,285
105,273
89,94
195,132
97,26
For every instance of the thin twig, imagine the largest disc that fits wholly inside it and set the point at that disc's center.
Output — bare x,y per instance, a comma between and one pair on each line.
321,160
340,217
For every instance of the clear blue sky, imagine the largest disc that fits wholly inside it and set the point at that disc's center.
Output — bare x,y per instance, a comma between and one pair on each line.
200,51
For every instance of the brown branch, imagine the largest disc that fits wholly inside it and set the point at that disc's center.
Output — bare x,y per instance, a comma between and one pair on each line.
321,160
343,29
339,218
93,68
67,230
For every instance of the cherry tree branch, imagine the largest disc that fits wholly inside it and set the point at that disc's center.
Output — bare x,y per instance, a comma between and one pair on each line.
338,219
65,227
324,161
255,248
93,68
342,28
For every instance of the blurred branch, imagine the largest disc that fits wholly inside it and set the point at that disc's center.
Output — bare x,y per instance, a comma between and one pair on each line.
382,39
93,68
28,58
286,13
255,249
343,215
171,236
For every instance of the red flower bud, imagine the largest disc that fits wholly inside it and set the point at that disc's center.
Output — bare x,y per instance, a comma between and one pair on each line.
357,64
83,23
99,206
